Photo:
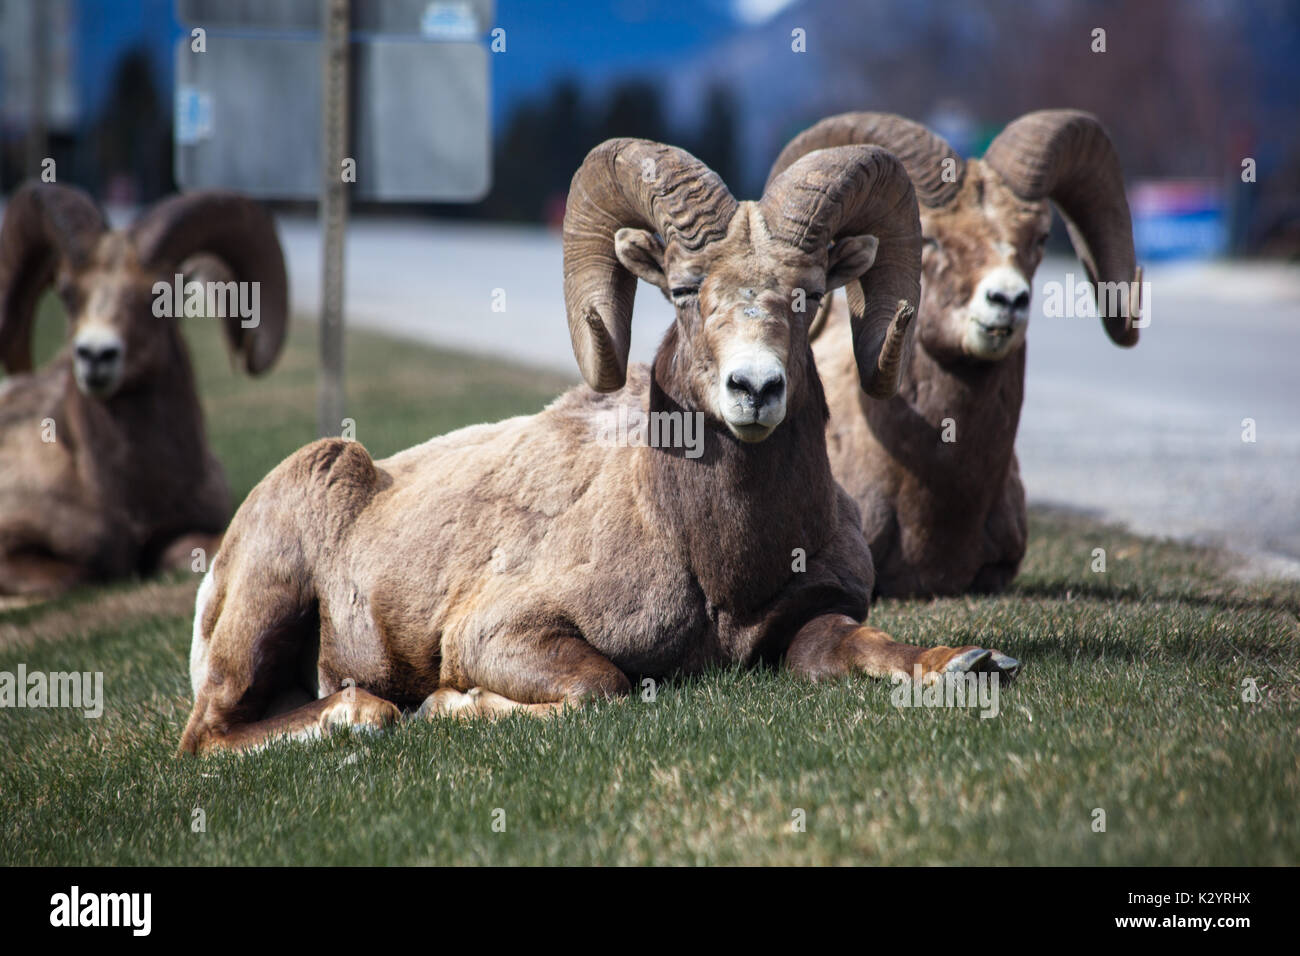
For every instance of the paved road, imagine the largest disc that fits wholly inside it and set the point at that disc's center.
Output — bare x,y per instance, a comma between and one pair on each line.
1150,437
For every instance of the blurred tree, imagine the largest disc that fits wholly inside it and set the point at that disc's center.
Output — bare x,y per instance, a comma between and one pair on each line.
634,109
568,134
542,145
517,176
715,143
1185,88
545,141
130,155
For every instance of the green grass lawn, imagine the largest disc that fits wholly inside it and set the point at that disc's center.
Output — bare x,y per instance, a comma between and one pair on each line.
1131,701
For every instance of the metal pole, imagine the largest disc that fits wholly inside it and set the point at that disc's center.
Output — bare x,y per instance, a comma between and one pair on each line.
40,82
333,216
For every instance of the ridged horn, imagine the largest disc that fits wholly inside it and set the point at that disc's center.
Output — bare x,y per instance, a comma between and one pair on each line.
44,224
1067,157
240,233
628,183
853,190
936,170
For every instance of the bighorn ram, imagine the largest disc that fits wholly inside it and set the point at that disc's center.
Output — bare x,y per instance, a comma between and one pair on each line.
106,469
527,565
945,513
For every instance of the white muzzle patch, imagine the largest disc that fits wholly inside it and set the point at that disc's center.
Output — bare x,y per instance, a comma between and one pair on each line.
98,357
998,314
752,392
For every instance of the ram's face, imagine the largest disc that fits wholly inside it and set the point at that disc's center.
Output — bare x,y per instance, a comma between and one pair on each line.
744,304
114,335
979,256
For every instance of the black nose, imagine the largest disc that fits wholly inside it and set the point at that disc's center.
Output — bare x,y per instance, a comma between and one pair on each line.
758,393
97,356
1000,299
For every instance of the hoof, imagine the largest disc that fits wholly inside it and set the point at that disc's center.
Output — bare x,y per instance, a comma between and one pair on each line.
1006,665
976,659
979,660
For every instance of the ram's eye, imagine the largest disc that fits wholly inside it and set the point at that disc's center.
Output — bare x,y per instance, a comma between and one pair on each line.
66,291
684,291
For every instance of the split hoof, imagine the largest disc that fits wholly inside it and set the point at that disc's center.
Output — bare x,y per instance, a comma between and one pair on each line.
979,660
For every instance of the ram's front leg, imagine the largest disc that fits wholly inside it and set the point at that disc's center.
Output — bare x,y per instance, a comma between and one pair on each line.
528,672
53,544
1005,534
834,645
34,574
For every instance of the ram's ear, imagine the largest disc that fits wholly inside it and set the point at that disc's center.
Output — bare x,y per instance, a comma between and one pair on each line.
641,254
850,258
206,268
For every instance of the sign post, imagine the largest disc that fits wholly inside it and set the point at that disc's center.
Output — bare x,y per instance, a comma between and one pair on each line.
333,215
36,134
264,105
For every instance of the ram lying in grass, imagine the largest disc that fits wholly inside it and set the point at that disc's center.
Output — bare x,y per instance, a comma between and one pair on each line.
107,470
1163,693
934,469
525,565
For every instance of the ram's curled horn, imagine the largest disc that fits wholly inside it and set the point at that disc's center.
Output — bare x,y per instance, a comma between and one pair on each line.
240,233
935,169
43,224
628,183
854,190
1066,156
